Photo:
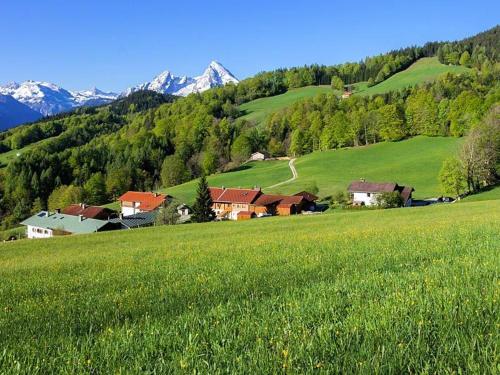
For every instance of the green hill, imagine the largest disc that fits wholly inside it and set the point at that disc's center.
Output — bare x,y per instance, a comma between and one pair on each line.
257,110
415,162
363,292
424,70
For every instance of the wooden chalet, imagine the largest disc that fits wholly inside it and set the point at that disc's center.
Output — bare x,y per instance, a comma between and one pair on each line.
244,204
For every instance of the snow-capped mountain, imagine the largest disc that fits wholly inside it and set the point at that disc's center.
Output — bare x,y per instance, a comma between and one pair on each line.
49,99
93,97
167,83
13,112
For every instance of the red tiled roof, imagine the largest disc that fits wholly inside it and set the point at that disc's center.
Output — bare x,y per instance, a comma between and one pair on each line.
371,187
267,199
236,195
308,196
147,201
90,212
215,193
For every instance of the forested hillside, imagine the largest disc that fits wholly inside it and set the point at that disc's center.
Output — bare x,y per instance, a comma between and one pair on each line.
147,141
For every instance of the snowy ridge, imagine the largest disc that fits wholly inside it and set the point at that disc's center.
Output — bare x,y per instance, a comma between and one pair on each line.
166,83
49,99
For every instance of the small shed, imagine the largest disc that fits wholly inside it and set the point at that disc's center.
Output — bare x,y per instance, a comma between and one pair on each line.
245,215
258,156
183,210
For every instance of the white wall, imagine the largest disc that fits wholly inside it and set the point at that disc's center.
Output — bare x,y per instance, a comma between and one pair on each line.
369,199
35,232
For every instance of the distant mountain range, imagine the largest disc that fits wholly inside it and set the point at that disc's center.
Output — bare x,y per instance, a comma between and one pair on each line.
32,100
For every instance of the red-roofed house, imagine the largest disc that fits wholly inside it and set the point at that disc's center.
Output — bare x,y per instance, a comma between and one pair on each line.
241,204
134,202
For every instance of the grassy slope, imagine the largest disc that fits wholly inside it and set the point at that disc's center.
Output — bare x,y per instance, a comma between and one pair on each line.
415,162
424,70
252,174
372,291
257,110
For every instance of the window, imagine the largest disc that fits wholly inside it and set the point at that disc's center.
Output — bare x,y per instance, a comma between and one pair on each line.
368,195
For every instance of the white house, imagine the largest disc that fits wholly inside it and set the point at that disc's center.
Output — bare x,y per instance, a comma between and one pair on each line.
366,193
257,156
134,202
49,224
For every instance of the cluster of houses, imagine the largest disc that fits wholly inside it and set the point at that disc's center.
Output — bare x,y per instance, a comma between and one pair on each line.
139,209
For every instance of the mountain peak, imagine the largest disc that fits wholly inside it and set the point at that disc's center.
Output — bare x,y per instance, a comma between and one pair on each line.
167,83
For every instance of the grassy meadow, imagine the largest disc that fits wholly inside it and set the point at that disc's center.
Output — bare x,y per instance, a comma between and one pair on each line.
424,70
416,162
404,290
258,110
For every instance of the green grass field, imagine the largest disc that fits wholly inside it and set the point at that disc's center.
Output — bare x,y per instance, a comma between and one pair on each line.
252,174
258,110
424,70
395,291
415,162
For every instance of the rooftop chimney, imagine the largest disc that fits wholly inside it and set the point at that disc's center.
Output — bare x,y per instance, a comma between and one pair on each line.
362,180
80,218
121,215
58,210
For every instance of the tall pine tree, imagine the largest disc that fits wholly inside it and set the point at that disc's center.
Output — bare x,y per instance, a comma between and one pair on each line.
202,208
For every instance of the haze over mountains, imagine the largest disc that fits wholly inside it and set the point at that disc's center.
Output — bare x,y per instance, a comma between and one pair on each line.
31,100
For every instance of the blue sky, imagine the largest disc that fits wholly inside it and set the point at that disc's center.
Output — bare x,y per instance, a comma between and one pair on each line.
114,44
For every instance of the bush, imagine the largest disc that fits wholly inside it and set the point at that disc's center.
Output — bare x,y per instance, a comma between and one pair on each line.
390,200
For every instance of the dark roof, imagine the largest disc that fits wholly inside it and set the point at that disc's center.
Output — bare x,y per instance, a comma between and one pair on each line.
308,196
406,192
371,187
267,199
142,219
91,212
148,201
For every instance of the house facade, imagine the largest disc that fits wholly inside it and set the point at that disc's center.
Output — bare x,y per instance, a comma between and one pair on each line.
135,202
365,193
244,204
47,224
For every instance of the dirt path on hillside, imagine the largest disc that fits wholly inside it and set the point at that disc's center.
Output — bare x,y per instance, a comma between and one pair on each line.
291,165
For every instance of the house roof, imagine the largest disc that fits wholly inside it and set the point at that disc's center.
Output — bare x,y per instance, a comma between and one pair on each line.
308,196
406,192
215,193
65,223
91,212
371,187
267,199
147,201
141,219
235,195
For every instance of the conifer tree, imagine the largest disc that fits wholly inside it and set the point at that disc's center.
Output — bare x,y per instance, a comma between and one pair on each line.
202,209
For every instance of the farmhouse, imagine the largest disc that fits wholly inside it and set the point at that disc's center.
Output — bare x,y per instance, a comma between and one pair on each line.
243,204
258,156
90,212
47,224
366,193
134,202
